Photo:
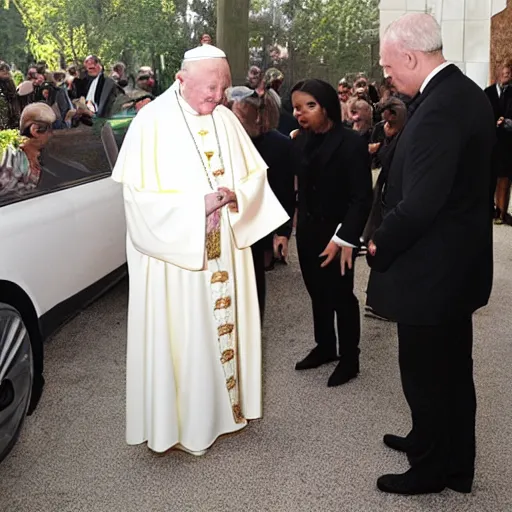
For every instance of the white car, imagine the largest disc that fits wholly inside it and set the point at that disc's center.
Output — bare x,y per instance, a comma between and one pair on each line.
62,245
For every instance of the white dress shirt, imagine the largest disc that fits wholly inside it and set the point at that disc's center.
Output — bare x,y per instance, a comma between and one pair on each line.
92,91
338,241
432,74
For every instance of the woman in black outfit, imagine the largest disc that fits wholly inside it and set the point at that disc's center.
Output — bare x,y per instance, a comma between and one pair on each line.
335,197
260,117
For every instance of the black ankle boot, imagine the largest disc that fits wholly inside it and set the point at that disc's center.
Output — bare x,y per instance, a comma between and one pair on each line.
317,357
345,371
398,443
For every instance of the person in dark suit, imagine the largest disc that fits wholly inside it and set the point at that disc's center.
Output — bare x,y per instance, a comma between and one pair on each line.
432,254
500,96
334,200
99,91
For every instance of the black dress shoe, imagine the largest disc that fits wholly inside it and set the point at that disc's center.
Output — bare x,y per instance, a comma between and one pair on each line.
344,372
398,443
315,358
410,484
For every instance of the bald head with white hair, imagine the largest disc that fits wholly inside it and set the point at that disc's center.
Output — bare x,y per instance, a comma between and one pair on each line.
411,48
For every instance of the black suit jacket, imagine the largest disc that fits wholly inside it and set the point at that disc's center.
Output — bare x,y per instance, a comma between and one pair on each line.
434,246
335,182
104,97
502,108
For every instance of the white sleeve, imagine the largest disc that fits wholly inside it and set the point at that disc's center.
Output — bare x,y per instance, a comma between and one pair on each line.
167,226
338,241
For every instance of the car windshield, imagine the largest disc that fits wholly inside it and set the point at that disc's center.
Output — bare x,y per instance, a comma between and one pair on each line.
60,129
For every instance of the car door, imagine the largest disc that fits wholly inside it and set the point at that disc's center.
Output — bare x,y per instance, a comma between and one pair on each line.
101,233
68,233
40,252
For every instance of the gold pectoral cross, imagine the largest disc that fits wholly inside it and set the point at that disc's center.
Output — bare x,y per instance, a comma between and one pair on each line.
209,156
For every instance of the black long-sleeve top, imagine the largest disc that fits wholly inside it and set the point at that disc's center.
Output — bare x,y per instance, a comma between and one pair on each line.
276,149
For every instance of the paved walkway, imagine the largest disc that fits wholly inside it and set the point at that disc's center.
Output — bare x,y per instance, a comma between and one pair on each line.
317,449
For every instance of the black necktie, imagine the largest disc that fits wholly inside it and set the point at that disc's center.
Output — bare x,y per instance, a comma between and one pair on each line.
503,89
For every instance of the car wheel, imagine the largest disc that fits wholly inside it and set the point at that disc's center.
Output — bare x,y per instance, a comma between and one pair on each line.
16,376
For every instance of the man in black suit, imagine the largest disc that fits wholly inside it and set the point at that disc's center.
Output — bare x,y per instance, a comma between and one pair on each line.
500,96
432,254
98,90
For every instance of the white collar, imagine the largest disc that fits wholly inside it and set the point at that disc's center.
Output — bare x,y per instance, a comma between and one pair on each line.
501,88
186,107
432,74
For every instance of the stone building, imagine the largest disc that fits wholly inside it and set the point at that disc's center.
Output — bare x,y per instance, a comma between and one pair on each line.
477,33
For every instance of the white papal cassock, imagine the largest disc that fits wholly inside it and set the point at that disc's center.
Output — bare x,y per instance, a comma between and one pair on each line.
194,341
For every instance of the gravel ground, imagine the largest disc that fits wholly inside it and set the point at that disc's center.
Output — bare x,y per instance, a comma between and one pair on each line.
316,449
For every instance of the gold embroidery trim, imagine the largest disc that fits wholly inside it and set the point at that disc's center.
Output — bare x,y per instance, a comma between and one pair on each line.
203,133
220,277
213,244
231,383
227,356
217,173
223,303
237,414
225,329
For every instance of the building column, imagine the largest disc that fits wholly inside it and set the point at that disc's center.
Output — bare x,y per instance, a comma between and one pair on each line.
233,35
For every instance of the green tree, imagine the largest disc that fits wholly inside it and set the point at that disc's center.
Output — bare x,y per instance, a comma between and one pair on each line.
326,39
203,20
142,32
13,38
332,39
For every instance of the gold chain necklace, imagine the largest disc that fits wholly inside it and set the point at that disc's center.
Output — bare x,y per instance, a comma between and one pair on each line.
213,242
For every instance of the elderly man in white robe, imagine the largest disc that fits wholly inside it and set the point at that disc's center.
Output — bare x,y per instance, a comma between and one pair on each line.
196,198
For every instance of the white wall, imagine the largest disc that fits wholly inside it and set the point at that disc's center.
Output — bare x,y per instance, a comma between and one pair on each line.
466,28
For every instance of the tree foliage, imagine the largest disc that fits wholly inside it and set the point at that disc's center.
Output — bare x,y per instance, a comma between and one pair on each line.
13,38
138,32
323,38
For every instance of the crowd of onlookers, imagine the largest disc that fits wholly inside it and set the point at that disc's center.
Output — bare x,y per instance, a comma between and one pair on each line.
76,95
33,105
500,97
376,112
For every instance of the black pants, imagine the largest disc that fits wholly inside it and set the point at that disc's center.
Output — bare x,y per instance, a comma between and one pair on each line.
258,256
332,295
436,367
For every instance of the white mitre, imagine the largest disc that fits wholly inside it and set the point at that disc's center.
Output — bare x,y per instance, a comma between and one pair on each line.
204,52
